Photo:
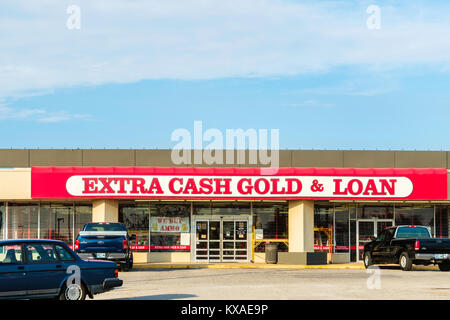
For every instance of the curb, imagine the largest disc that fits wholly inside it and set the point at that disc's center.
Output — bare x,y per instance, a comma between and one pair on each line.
244,266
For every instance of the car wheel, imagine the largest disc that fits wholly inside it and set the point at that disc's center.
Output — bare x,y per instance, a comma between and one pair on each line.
73,292
367,260
444,266
405,262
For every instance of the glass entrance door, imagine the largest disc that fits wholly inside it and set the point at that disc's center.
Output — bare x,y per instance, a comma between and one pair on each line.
228,240
235,244
214,241
222,240
366,230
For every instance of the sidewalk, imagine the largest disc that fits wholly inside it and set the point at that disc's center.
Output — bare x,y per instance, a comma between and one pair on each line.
231,265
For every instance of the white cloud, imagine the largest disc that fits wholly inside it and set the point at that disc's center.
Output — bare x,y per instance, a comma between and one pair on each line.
62,116
10,113
351,89
132,40
311,103
38,115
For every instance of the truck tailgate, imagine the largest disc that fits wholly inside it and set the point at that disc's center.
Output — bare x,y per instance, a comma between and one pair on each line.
101,241
434,245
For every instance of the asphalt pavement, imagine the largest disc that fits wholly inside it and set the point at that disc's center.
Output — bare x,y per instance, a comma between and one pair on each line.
261,284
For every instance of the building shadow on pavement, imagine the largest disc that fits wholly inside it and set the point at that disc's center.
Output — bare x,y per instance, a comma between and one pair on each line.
415,268
168,296
161,269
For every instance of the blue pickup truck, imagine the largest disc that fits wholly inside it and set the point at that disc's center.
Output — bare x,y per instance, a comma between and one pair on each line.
106,241
50,269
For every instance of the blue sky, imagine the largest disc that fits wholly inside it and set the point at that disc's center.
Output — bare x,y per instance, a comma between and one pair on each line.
137,70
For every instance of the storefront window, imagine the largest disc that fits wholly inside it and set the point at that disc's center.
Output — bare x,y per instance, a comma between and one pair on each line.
136,220
57,222
339,223
159,227
230,208
442,221
46,221
371,212
170,227
202,208
2,226
403,215
22,221
83,215
352,211
323,227
422,215
341,232
270,221
222,208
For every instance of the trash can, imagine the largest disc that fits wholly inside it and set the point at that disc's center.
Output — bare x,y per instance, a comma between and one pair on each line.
271,253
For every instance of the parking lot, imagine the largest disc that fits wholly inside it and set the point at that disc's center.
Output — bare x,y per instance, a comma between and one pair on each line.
316,284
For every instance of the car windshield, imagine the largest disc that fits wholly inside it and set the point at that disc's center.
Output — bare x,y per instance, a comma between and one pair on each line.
413,232
105,227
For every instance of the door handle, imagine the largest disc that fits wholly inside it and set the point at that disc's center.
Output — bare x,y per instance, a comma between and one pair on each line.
59,266
21,268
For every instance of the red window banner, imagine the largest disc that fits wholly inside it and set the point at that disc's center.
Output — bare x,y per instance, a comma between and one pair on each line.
237,183
160,247
327,248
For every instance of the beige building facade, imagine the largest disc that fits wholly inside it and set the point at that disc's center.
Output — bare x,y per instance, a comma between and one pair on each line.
179,225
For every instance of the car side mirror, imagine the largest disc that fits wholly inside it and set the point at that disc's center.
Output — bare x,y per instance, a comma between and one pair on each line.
133,237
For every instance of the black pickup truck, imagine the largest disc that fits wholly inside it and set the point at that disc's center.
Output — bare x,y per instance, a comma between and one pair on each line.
408,245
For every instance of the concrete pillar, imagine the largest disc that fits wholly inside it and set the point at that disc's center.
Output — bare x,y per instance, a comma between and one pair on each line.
301,226
105,211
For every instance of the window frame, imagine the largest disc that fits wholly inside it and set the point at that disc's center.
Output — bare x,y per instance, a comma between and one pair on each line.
66,249
390,232
105,223
58,260
382,234
22,255
405,226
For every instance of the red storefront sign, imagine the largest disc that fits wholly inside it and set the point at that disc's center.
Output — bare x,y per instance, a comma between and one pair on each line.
237,183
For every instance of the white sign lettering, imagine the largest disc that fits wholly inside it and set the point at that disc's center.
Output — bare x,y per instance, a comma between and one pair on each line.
239,186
